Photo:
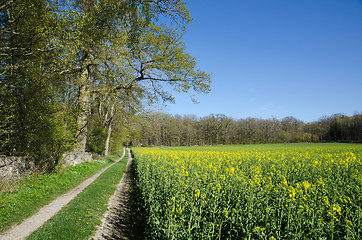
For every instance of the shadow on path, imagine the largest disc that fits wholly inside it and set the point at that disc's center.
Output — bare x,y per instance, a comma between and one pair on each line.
135,216
125,218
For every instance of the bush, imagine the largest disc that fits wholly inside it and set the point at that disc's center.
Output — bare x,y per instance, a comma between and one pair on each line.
96,140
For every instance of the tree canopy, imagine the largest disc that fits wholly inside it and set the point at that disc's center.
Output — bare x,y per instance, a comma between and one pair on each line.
71,68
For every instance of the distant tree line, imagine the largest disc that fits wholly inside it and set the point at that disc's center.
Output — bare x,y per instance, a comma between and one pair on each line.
160,129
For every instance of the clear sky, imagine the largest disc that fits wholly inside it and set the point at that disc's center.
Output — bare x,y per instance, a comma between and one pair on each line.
276,58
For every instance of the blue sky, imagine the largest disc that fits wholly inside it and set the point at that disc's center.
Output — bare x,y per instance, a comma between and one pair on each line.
276,58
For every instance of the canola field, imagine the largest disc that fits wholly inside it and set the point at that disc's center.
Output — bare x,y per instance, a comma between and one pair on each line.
282,191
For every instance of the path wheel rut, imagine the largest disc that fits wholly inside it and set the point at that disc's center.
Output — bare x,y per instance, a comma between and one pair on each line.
114,220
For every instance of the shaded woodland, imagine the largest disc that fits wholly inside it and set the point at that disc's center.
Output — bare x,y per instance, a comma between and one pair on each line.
160,129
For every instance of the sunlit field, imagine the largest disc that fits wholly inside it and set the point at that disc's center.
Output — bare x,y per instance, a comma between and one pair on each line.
286,191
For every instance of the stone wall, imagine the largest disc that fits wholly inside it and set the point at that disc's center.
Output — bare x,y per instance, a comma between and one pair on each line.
74,158
14,167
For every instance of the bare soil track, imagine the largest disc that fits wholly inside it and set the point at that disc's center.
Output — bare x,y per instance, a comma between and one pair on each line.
29,225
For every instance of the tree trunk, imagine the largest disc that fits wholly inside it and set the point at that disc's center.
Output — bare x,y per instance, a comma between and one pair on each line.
109,132
83,104
79,155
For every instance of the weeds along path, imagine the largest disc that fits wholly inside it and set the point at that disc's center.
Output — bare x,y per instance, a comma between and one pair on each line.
29,225
113,224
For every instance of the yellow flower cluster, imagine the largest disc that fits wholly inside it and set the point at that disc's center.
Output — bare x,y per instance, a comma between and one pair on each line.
266,194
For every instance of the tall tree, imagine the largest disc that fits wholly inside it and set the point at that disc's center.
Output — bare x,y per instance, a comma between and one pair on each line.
142,56
60,57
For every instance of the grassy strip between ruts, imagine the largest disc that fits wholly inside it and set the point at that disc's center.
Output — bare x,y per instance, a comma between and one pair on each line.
78,220
35,192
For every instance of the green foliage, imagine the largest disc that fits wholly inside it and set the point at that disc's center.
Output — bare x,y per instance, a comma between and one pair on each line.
119,138
30,194
162,55
96,140
31,106
6,116
62,58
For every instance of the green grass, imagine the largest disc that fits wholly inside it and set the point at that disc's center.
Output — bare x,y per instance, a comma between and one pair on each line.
30,194
78,220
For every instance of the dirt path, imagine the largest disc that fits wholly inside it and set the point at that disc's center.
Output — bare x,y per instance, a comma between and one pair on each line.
29,225
114,220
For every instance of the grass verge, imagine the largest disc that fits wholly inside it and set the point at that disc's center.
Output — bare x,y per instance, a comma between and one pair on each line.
78,220
38,190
